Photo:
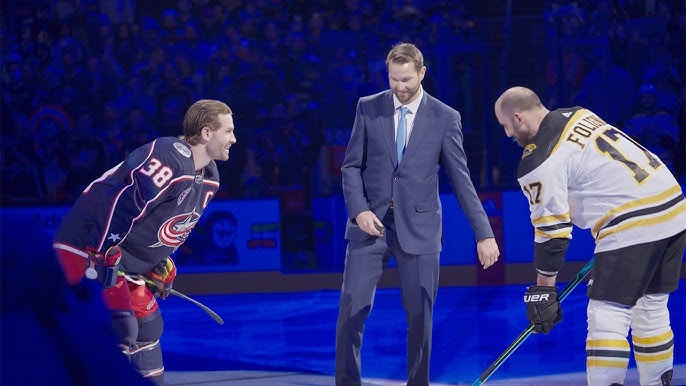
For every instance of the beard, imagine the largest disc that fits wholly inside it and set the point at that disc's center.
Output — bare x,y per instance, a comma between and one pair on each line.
522,136
406,95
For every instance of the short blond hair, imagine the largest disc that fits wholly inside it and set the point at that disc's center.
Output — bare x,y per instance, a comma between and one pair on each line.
203,113
402,53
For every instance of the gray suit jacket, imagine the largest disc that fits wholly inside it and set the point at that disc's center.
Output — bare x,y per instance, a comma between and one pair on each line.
371,178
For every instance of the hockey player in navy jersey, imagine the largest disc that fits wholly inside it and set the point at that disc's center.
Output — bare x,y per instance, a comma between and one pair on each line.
124,226
577,169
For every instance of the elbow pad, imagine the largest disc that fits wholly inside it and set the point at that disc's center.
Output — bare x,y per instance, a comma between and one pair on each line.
549,257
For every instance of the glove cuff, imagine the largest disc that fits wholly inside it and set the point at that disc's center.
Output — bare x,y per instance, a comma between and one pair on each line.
540,294
541,288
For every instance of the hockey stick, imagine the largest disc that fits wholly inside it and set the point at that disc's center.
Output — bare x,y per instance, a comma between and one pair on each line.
209,311
529,330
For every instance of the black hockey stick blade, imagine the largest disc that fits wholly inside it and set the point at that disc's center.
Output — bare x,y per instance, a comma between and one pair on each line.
208,310
529,330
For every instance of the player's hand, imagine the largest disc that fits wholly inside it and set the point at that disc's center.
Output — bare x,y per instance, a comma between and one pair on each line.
488,252
369,223
162,277
542,307
104,267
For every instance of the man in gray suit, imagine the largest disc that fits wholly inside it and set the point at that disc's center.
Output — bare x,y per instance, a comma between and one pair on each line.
391,193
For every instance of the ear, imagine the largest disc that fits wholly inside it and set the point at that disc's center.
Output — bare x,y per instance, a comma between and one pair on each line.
422,72
519,118
205,133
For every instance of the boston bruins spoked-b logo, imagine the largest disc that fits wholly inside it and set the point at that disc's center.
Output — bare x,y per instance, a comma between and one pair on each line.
176,230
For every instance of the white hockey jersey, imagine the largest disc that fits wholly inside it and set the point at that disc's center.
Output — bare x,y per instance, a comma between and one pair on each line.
580,170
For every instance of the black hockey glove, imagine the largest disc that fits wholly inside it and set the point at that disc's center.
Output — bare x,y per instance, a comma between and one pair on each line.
542,307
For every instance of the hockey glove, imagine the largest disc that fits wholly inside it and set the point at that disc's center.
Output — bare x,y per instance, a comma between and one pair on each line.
542,307
104,267
162,277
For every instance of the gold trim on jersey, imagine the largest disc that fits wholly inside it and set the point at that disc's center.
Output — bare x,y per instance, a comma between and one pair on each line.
664,196
673,212
554,226
577,115
551,219
557,234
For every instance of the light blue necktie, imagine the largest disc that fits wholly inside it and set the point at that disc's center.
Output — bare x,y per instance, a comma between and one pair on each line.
402,130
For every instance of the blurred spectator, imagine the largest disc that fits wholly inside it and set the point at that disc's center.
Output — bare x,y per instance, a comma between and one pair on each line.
53,168
171,31
17,85
193,45
118,11
607,89
51,128
87,124
619,43
112,130
134,95
185,11
72,82
20,177
139,128
680,152
124,69
654,127
87,160
125,49
565,66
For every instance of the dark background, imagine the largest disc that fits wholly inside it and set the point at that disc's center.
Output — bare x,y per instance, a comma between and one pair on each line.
85,82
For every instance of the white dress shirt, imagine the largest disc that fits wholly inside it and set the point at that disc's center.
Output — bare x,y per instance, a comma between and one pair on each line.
409,117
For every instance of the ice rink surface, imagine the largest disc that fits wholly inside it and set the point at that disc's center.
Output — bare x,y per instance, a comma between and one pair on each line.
288,339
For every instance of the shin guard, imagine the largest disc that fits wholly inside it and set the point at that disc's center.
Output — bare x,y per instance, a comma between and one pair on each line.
146,358
653,340
607,349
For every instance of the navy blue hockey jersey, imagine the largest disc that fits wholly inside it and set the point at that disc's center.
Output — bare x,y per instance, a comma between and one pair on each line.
148,205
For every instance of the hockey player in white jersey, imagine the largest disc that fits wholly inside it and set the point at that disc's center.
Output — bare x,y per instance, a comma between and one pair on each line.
577,169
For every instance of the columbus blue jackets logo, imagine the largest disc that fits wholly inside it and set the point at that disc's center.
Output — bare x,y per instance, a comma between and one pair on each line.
176,230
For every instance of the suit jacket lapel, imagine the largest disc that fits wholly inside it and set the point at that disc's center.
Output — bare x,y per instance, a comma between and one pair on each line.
388,126
420,126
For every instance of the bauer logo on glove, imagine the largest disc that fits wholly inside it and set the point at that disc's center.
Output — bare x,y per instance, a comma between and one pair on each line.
542,307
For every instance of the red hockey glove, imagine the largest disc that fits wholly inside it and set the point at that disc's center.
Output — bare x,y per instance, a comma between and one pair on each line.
104,267
163,276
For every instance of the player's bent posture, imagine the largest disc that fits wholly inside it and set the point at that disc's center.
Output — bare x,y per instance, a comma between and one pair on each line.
577,169
125,224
